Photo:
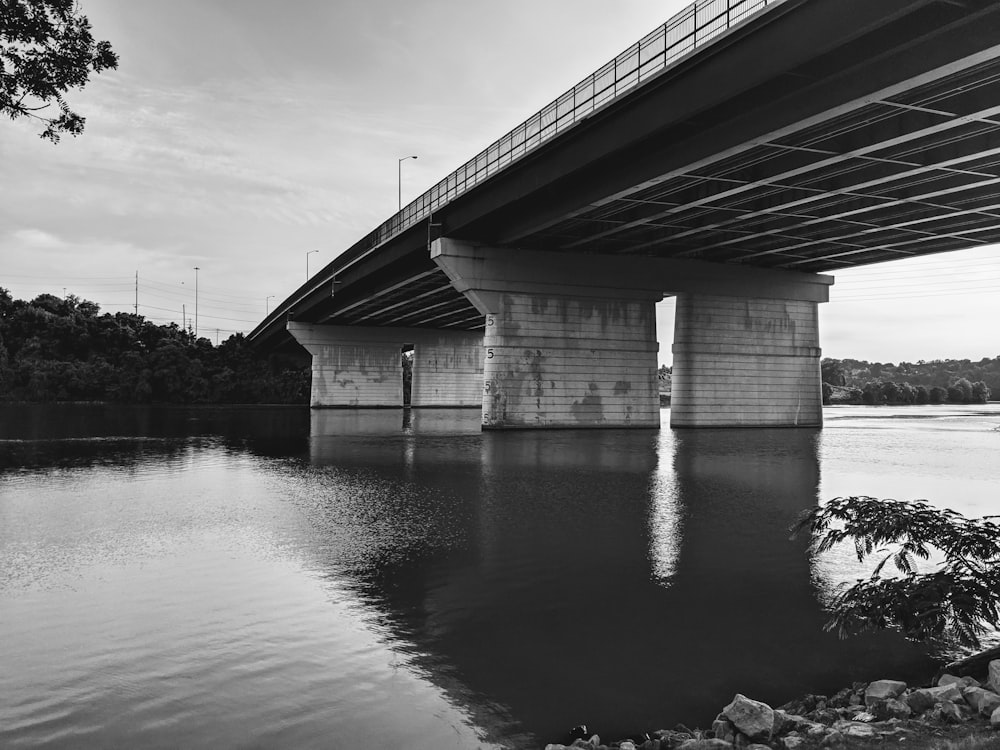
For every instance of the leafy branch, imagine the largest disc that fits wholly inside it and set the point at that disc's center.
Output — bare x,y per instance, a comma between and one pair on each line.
47,48
959,600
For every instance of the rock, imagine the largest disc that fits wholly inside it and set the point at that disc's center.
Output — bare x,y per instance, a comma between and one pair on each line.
626,745
826,715
671,738
833,739
555,746
982,700
784,722
993,676
792,742
705,745
756,746
922,699
652,744
895,709
883,689
995,719
945,712
950,679
723,729
586,744
841,699
752,718
856,729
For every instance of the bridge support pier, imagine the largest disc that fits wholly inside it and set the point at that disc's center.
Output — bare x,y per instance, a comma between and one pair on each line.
571,340
359,366
563,347
447,368
742,361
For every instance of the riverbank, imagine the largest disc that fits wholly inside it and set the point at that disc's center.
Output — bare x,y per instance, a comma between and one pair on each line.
957,712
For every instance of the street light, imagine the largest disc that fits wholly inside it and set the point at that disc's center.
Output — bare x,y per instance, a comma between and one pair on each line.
267,307
196,269
307,262
400,180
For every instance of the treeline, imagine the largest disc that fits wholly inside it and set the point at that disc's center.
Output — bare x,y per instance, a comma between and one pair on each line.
65,349
937,382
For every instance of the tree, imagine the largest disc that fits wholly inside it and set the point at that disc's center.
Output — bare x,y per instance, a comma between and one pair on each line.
958,600
47,48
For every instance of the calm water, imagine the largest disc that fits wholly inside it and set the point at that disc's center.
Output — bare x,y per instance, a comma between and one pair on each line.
214,578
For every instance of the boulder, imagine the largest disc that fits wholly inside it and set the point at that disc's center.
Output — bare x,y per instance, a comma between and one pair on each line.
723,729
922,699
993,676
833,739
784,722
705,745
856,729
883,689
946,712
894,708
995,719
752,718
983,700
792,742
626,745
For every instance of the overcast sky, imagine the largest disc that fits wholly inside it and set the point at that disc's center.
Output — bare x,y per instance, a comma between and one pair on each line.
238,135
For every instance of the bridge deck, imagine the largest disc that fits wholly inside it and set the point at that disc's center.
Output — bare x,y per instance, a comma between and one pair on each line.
815,135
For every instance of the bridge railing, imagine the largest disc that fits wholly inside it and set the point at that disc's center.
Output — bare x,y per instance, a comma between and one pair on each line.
683,33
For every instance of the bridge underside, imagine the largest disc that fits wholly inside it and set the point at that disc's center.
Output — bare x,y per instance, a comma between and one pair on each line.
818,136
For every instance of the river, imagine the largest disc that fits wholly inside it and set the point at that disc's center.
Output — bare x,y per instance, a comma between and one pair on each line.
275,577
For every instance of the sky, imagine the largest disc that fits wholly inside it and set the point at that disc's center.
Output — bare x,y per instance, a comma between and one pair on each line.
249,138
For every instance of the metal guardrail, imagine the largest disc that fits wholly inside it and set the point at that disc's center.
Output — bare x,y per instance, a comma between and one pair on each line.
685,32
680,35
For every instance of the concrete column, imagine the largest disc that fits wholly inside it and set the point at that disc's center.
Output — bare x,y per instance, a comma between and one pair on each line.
352,367
360,367
556,360
570,339
742,361
565,346
447,369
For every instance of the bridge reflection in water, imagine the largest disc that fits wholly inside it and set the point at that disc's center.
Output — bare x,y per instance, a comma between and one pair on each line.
628,579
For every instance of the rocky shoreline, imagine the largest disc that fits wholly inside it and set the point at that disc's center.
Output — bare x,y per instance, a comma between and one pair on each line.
878,711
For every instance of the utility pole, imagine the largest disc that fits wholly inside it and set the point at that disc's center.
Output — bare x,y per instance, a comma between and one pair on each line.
137,291
196,269
184,320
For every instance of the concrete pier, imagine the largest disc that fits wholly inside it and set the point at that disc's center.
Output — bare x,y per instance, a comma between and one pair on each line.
570,339
566,345
745,361
359,366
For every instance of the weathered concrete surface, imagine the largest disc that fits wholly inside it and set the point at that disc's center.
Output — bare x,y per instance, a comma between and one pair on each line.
571,340
749,362
570,361
565,345
359,367
447,369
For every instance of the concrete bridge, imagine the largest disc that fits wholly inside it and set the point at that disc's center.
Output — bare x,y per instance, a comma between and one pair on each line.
728,158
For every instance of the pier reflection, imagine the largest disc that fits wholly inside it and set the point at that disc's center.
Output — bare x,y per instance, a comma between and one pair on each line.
532,574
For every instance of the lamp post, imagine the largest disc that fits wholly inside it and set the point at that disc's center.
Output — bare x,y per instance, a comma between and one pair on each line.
307,262
399,182
267,306
196,269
